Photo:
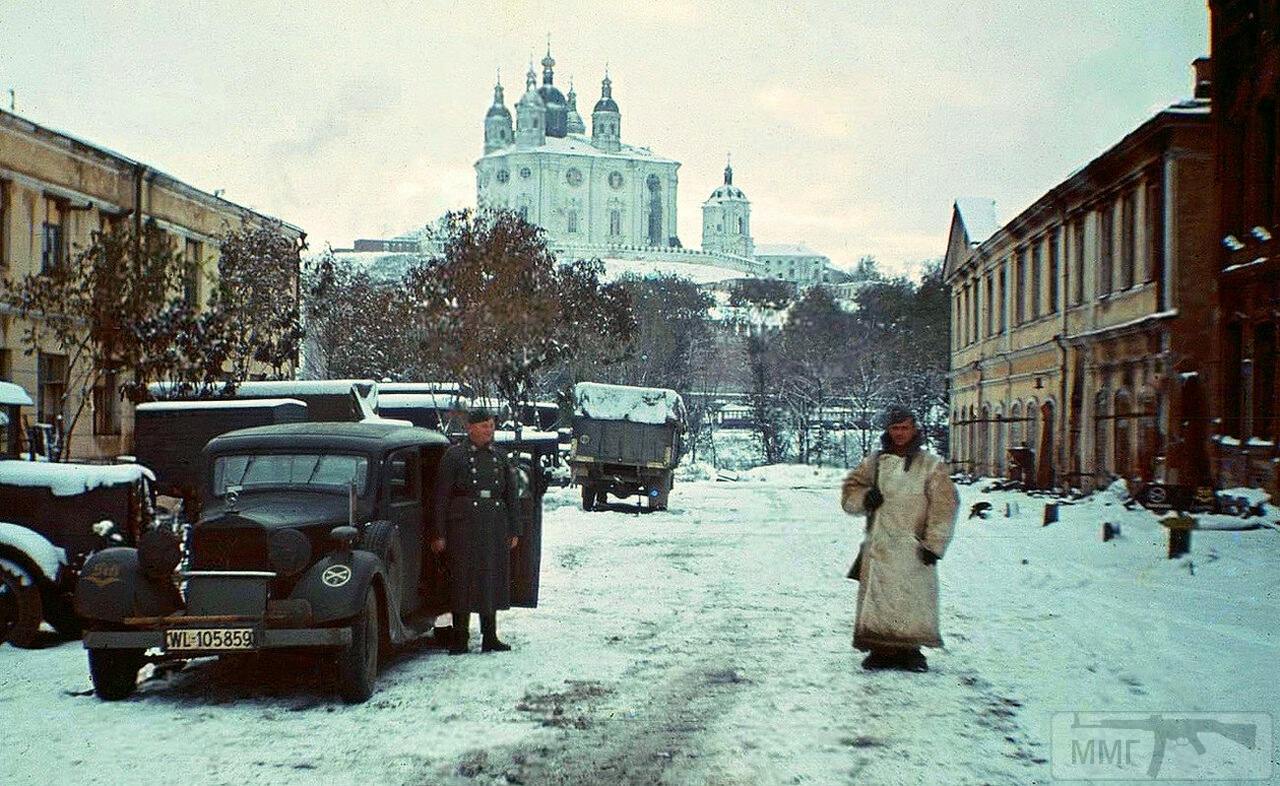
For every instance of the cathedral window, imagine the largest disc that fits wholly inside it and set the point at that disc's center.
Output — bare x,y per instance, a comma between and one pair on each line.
741,229
526,173
573,222
615,180
615,222
573,177
503,175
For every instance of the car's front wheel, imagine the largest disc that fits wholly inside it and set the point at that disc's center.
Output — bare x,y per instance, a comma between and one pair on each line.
358,663
114,672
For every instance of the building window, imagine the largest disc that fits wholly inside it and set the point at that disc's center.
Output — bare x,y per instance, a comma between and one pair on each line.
1155,231
742,226
1077,262
1000,304
976,309
1264,380
615,223
1123,419
1232,382
106,401
1054,238
1037,285
1101,453
1106,247
4,223
51,386
991,304
53,245
573,222
1019,287
1128,240
191,272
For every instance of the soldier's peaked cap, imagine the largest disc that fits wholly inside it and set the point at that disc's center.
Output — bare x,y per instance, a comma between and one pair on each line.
479,415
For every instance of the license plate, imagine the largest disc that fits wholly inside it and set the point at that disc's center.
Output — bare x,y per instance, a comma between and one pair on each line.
210,639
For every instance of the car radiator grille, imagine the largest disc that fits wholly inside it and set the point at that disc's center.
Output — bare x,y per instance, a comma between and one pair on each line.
241,548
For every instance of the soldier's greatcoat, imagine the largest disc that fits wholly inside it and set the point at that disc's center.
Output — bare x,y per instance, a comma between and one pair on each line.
476,514
897,603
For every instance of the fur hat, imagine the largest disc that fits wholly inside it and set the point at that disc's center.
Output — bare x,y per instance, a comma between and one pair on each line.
897,414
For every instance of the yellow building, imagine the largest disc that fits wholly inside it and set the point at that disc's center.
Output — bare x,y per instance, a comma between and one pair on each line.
1082,329
55,191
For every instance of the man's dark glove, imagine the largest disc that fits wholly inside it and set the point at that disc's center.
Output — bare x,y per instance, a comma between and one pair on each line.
872,500
926,556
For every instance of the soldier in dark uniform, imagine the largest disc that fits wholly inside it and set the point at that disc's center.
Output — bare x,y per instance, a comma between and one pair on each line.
476,526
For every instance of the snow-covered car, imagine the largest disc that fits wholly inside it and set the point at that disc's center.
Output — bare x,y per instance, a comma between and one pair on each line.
626,441
53,517
312,536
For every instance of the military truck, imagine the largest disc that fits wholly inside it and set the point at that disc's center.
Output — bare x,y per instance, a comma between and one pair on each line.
626,441
312,536
169,436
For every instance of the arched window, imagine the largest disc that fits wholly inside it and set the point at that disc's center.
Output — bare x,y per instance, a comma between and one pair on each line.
615,223
1015,425
1101,428
742,230
1123,418
1148,433
1031,415
998,457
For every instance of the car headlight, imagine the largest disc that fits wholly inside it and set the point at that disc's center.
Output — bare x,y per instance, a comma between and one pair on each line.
289,551
159,552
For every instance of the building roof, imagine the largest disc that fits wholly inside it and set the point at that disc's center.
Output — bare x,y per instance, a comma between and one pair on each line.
978,215
785,250
580,145
76,144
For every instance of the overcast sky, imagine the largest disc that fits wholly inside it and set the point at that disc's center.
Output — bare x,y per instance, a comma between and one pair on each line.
852,125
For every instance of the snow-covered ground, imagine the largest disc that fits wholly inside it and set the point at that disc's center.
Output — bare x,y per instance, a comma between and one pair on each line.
711,644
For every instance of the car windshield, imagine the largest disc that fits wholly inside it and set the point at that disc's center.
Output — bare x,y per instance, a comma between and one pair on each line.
289,469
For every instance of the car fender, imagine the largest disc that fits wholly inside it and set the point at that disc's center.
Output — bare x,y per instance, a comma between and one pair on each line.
112,587
335,585
46,558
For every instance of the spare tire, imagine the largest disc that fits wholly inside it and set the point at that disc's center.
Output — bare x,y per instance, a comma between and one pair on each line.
21,607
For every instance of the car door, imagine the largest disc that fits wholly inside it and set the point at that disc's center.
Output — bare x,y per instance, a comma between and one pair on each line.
404,497
526,558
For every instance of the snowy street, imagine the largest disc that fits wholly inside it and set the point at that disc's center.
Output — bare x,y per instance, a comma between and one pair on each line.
711,644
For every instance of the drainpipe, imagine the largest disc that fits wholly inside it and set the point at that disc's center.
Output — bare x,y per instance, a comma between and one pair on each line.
1060,415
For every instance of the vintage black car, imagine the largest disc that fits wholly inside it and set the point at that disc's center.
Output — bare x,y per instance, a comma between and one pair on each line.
312,535
53,517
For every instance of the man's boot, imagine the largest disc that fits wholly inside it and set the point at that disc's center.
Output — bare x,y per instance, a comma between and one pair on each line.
877,660
914,660
489,631
461,631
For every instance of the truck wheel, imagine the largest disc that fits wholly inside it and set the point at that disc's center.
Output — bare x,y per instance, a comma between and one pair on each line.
588,496
114,672
383,538
358,663
19,593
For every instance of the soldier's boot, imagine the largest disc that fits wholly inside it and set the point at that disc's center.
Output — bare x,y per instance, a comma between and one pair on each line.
461,631
877,660
489,630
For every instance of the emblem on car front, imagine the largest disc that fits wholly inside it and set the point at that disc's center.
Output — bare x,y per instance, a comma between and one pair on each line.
336,575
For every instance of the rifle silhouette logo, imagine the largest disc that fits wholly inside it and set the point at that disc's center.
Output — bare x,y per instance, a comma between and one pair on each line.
1167,730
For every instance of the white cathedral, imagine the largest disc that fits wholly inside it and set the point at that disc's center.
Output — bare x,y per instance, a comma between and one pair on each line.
582,190
597,197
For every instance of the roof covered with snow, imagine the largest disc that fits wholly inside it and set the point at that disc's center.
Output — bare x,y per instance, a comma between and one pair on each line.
615,269
11,394
580,144
656,406
785,250
171,406
68,480
978,215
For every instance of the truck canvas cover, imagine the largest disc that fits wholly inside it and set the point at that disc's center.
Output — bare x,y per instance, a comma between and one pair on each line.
654,406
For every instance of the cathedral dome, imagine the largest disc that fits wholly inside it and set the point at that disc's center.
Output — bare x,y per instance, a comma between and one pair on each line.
728,190
553,99
498,110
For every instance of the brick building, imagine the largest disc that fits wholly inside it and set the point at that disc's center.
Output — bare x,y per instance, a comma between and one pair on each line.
1077,324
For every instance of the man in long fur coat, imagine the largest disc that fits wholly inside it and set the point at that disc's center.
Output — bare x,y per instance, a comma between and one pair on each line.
910,504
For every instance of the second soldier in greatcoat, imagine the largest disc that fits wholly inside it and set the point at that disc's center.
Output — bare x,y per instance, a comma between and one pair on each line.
476,526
